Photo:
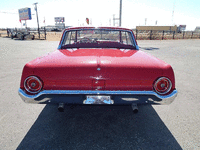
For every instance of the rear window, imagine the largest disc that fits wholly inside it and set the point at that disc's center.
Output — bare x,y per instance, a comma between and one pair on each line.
98,38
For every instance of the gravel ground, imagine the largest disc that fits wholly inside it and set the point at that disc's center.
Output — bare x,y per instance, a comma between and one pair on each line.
29,126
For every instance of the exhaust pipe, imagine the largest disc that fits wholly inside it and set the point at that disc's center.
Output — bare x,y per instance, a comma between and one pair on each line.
135,108
61,107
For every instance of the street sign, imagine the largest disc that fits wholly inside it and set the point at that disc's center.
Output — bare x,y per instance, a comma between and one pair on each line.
59,19
24,14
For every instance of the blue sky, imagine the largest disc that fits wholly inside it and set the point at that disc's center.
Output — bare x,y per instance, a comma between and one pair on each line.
100,13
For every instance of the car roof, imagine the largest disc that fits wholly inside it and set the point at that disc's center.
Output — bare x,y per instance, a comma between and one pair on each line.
114,28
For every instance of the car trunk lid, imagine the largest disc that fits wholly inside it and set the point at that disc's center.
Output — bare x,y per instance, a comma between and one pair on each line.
98,69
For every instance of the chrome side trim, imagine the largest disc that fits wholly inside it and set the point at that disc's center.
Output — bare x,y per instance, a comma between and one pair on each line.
165,99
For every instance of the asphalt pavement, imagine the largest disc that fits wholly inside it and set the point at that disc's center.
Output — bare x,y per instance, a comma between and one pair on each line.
36,126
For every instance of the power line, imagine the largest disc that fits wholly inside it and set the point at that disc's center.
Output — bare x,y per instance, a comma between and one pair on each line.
10,13
173,12
7,12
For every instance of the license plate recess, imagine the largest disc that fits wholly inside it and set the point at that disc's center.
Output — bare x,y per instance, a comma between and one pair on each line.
96,99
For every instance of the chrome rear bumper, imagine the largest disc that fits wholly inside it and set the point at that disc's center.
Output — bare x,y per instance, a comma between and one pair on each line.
77,97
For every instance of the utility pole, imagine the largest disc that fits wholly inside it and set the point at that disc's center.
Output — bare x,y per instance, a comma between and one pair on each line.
173,13
120,14
114,20
37,18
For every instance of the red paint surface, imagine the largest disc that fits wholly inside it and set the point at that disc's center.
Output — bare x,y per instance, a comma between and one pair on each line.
77,70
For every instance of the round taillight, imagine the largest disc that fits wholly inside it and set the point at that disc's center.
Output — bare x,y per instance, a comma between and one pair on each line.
32,84
163,85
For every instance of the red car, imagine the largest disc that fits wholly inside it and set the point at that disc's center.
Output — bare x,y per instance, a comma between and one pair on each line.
98,66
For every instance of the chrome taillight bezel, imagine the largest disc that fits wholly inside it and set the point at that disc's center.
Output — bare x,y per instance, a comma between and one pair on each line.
31,90
169,85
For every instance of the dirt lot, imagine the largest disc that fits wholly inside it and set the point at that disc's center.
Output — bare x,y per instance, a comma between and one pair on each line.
51,36
3,33
54,36
29,126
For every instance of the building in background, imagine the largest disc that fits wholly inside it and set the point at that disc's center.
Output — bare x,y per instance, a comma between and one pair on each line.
181,28
158,28
175,28
197,29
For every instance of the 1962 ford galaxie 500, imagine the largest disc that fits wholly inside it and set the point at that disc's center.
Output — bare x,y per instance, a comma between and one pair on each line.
98,66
